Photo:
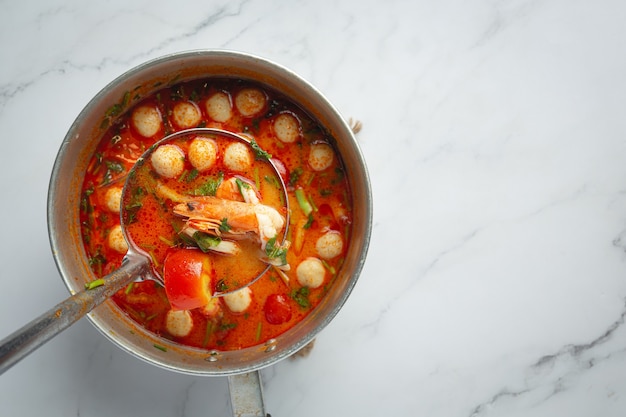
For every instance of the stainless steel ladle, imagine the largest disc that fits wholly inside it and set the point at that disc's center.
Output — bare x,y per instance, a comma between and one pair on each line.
135,265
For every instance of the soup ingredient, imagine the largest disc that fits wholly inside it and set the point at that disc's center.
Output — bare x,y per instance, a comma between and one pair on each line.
317,192
287,127
277,309
219,107
237,157
202,153
239,301
250,101
179,323
168,161
329,245
146,119
205,214
186,114
187,277
112,199
311,272
321,156
116,240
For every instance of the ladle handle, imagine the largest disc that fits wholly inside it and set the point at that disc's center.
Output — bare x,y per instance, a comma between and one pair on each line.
246,395
24,341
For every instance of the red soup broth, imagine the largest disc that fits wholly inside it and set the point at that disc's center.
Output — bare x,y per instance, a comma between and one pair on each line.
317,190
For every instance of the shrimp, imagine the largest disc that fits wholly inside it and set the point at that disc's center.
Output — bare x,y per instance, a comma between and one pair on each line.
232,220
242,219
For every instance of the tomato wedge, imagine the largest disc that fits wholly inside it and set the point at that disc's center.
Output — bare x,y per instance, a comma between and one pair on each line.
187,276
277,309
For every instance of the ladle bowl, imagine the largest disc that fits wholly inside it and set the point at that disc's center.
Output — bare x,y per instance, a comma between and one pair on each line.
137,264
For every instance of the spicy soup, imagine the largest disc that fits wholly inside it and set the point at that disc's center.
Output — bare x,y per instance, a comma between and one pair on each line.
319,217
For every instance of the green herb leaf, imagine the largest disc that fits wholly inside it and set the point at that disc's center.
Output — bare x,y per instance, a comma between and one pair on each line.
301,297
205,241
272,180
135,203
96,262
242,185
259,152
274,251
294,176
209,188
309,222
227,326
224,226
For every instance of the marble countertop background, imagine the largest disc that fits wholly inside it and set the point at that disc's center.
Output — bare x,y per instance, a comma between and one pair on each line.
495,137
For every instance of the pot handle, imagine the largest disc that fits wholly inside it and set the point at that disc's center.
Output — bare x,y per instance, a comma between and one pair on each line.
246,395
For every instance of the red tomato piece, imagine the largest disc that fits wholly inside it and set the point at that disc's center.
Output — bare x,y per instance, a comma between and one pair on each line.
277,309
187,276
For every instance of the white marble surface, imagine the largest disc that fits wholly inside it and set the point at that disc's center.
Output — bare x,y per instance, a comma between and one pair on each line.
495,136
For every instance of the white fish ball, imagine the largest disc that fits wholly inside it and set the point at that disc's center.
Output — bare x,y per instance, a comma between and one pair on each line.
179,322
329,245
219,107
168,161
116,240
186,114
113,199
250,101
239,301
320,156
287,127
202,153
311,272
237,157
147,120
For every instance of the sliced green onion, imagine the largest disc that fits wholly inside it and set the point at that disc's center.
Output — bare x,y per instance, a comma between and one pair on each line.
161,348
330,268
259,327
94,284
303,202
166,241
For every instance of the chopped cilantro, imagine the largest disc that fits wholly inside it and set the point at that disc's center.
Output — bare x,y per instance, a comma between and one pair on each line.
301,297
294,176
309,222
274,251
242,185
96,262
259,152
224,226
227,326
209,188
205,241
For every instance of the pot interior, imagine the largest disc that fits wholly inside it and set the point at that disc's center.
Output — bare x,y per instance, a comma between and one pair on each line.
65,192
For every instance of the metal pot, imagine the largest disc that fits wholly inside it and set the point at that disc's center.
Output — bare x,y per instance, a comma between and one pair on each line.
65,191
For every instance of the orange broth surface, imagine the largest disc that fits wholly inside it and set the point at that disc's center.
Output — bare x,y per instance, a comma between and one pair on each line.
319,199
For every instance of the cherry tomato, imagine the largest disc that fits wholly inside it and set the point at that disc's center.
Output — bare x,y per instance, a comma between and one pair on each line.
187,276
277,309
